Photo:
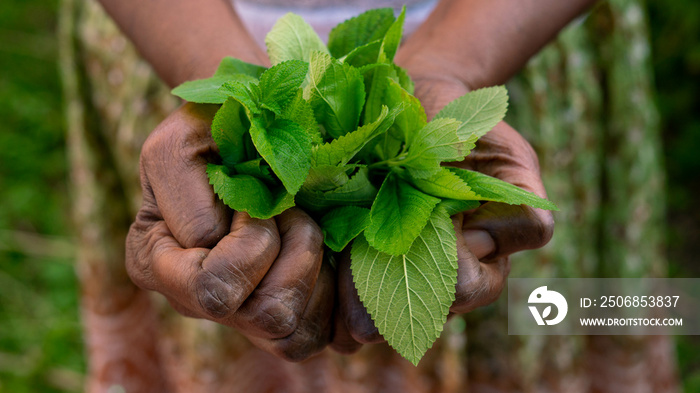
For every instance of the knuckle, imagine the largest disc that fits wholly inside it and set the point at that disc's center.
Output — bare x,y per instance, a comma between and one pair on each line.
362,329
306,228
366,335
481,289
264,241
302,227
542,228
156,144
136,262
301,345
276,318
471,292
216,297
309,230
204,230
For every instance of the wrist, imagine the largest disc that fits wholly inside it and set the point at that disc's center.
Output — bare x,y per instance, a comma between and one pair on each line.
422,65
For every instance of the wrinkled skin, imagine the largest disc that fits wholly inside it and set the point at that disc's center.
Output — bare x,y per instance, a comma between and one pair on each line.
490,233
266,278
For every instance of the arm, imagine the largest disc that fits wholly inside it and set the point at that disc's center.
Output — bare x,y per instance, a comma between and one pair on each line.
184,40
469,44
484,43
465,45
263,277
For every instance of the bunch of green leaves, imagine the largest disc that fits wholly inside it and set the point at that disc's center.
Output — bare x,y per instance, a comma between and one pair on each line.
336,130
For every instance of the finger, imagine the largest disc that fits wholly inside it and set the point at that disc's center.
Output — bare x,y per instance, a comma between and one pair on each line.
150,240
479,242
210,284
478,284
357,320
275,307
173,161
342,342
314,329
235,266
147,239
504,154
497,230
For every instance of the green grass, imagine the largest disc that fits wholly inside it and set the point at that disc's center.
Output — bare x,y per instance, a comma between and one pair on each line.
41,346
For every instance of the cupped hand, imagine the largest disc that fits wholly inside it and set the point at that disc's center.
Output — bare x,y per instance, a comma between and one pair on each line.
489,233
264,278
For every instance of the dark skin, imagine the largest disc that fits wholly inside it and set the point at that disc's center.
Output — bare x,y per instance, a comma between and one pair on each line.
265,278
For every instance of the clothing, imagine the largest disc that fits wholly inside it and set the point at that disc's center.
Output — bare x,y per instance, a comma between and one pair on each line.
259,16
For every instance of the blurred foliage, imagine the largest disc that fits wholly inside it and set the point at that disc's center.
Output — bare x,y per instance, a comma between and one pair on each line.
40,342
675,28
41,346
675,35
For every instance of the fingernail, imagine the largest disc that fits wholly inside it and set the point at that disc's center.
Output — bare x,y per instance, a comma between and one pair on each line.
480,243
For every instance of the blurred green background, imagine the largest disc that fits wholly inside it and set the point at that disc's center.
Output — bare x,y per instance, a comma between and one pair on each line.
41,346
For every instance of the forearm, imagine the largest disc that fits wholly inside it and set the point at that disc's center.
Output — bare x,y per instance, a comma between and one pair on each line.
485,42
182,39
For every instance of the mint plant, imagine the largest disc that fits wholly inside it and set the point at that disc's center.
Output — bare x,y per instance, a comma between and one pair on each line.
336,130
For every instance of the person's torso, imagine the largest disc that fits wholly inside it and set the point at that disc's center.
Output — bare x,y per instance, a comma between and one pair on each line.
260,15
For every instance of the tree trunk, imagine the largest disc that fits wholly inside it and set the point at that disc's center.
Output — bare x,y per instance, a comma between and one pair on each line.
586,105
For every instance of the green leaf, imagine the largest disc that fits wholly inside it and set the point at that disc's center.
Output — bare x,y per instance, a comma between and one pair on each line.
387,147
279,84
326,177
248,194
286,147
343,224
231,66
258,169
435,143
291,38
363,55
336,93
491,189
246,95
453,206
229,129
409,295
207,91
340,151
299,111
404,79
446,184
412,119
376,79
360,30
358,191
479,111
398,215
392,39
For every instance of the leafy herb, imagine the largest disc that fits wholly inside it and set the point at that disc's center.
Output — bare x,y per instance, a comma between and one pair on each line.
409,295
337,131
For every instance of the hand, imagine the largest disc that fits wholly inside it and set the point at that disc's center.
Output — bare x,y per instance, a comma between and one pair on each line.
263,277
490,233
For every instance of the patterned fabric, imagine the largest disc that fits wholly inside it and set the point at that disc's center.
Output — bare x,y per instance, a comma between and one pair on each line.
585,103
259,16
